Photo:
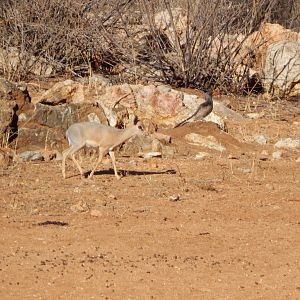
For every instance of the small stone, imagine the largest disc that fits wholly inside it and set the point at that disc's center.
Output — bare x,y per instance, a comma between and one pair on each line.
288,143
152,164
111,196
205,141
255,115
269,187
201,155
277,154
174,198
77,190
31,156
22,117
245,170
150,154
264,155
264,152
298,160
156,145
96,213
168,151
230,156
165,139
260,139
79,207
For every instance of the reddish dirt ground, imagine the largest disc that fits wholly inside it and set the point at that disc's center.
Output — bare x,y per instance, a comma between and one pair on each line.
171,228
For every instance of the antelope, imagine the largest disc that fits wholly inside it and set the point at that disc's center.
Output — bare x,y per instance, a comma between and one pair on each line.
92,134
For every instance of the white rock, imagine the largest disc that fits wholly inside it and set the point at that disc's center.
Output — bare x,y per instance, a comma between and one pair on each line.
174,198
81,206
282,66
164,88
201,155
92,117
255,115
245,170
288,143
95,213
22,117
260,139
212,117
277,154
222,110
150,154
205,141
31,155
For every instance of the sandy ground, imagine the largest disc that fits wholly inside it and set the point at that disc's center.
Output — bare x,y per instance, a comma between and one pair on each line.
225,227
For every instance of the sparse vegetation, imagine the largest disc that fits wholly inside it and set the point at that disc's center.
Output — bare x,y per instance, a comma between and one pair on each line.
184,43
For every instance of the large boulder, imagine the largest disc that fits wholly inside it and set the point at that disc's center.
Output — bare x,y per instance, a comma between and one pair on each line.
161,104
282,69
44,126
67,91
78,92
259,41
35,137
261,47
13,99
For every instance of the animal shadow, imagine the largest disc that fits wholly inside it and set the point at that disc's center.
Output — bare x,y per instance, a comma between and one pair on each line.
125,173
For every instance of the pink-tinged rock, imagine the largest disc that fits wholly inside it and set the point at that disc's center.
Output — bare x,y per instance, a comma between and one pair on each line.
165,104
118,94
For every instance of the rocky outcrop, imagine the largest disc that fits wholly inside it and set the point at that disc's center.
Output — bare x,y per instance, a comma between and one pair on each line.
67,91
161,104
281,73
259,42
44,126
275,58
13,99
41,126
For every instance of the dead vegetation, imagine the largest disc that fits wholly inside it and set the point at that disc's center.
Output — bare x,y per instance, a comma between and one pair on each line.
183,43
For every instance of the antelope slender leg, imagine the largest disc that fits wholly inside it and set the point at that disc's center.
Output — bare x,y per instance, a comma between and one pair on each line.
97,163
70,151
113,159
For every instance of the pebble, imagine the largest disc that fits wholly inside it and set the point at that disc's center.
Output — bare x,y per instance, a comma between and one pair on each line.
269,187
150,154
174,198
96,213
255,115
245,170
264,155
260,139
79,207
277,154
288,143
31,156
201,155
